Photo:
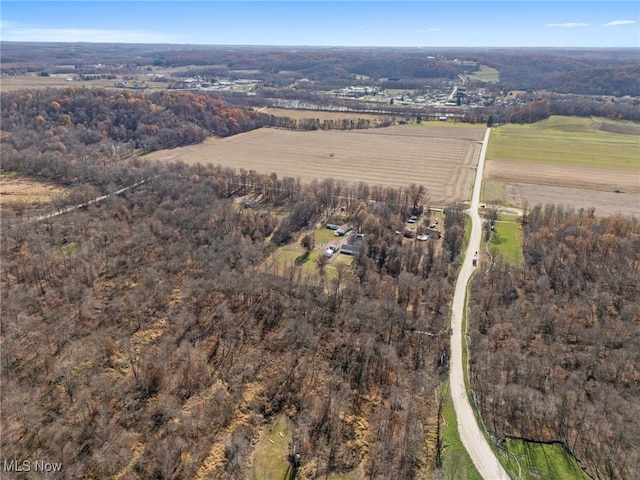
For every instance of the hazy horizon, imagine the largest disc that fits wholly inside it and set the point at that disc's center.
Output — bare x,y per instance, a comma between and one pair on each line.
429,24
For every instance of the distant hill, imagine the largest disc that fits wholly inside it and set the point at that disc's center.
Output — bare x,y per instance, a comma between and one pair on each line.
579,71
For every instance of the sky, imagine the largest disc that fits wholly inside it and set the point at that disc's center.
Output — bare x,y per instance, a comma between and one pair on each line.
417,23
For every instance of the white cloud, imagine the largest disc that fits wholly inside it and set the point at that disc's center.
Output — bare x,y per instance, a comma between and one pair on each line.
567,25
615,23
15,32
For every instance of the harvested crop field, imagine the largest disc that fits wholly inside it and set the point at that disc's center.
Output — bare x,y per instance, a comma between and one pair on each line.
10,84
562,176
570,161
440,157
319,114
605,203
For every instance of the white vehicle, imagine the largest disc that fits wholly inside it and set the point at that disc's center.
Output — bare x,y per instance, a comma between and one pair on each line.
422,238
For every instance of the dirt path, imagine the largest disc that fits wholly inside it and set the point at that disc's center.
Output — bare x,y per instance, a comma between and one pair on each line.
83,205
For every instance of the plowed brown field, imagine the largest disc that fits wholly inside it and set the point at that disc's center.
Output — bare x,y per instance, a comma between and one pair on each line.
563,176
440,157
605,203
319,114
573,187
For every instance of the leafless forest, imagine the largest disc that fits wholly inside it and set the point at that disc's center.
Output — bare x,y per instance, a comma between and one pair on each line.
142,331
555,344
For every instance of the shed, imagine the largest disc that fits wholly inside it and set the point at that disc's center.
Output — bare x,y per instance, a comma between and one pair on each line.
342,229
335,245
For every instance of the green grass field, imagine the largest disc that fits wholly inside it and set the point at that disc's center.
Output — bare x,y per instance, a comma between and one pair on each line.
569,141
506,241
270,457
485,74
540,461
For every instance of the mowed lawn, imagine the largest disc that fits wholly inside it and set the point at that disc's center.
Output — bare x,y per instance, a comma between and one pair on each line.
569,141
506,241
439,156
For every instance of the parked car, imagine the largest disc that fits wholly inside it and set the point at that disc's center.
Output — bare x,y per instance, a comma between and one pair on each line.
422,238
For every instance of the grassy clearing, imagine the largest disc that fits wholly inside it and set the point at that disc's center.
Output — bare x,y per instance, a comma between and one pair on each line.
493,192
485,74
293,256
566,141
539,460
19,189
270,457
506,241
324,235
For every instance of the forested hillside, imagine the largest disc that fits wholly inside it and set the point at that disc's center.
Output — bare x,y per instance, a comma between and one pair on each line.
609,72
555,344
141,335
145,336
85,120
586,72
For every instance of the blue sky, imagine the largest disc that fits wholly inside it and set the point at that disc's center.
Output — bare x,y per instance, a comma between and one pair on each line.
329,23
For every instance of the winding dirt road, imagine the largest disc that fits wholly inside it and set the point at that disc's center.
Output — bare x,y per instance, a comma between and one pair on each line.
472,437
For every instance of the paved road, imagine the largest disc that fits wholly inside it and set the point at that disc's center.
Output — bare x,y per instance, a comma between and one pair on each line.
472,437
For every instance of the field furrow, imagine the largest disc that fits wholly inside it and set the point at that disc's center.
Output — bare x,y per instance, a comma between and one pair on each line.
441,158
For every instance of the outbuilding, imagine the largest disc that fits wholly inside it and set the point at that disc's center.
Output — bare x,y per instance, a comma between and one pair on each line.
342,229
